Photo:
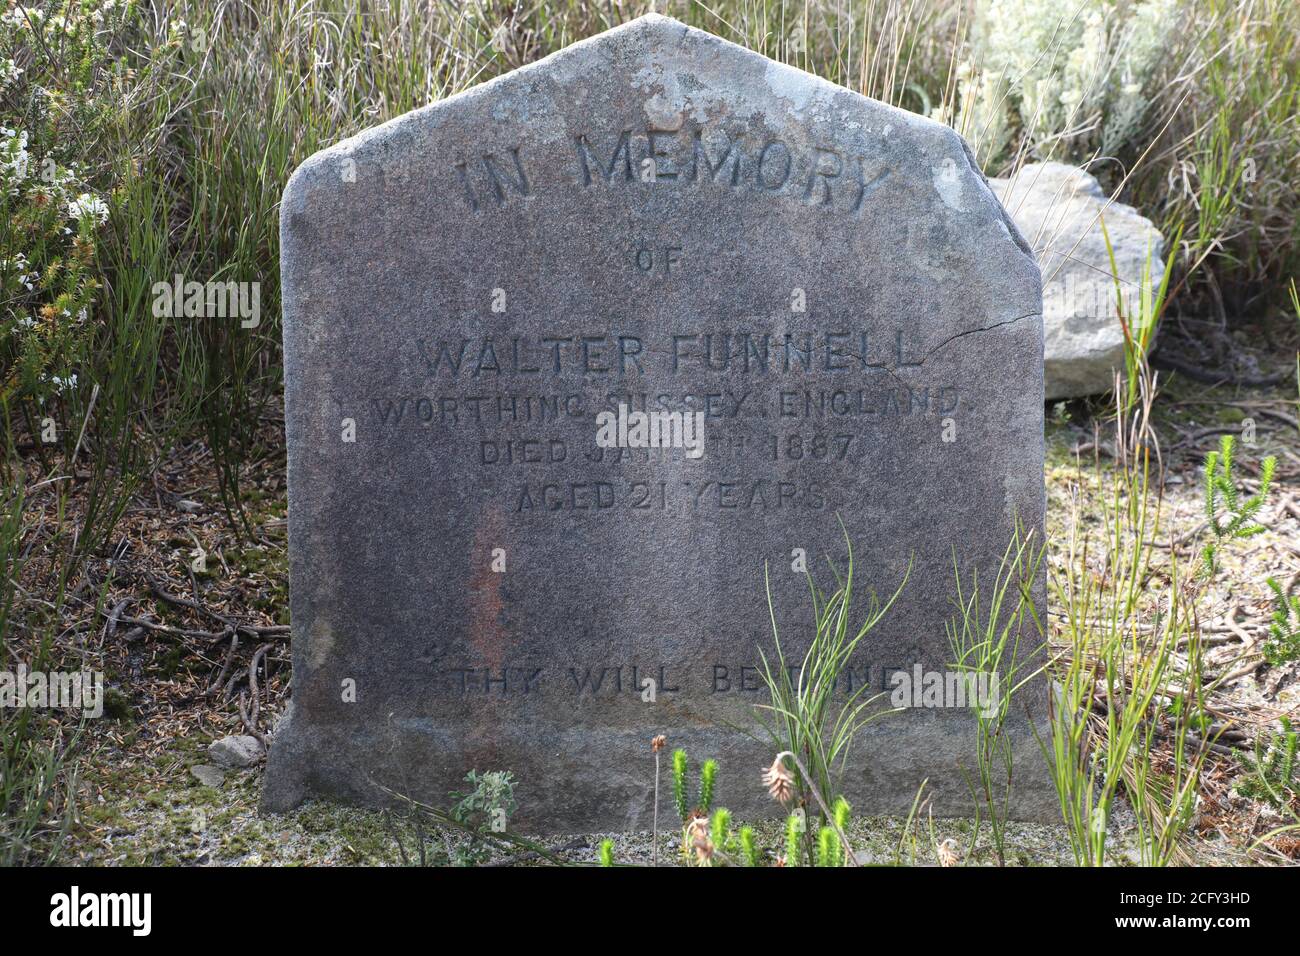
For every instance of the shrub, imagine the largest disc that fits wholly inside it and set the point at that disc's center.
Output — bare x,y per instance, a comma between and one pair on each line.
59,73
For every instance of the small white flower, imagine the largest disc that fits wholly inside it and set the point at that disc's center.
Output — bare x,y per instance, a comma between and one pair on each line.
87,206
23,16
8,72
14,158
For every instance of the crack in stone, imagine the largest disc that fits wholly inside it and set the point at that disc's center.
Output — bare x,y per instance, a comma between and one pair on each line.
985,328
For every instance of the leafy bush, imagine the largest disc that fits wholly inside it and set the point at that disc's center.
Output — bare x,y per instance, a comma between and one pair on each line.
1271,776
1221,494
1074,80
490,801
59,72
1283,644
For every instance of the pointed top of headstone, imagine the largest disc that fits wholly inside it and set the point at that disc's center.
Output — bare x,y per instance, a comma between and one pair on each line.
674,76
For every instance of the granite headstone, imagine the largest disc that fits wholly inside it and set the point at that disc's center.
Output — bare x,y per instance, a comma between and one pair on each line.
489,568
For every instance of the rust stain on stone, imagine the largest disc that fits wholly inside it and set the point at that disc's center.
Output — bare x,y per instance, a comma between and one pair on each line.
486,637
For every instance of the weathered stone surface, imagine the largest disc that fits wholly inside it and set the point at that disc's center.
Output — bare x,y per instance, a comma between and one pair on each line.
1058,209
208,775
826,278
235,751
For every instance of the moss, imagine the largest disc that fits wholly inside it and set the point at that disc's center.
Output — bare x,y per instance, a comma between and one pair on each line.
205,796
102,814
271,565
117,705
171,662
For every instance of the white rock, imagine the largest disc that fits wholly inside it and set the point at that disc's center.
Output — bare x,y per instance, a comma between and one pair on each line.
239,751
1058,209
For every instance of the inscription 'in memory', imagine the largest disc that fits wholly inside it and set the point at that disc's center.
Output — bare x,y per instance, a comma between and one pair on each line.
689,156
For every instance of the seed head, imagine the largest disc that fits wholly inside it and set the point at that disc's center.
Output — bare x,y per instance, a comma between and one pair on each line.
779,781
697,835
947,852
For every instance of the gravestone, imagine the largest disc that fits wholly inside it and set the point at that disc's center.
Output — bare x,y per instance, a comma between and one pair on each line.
490,571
